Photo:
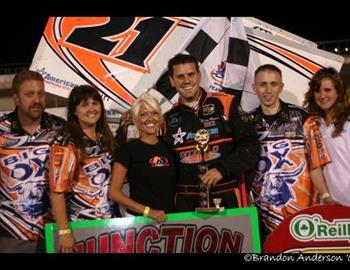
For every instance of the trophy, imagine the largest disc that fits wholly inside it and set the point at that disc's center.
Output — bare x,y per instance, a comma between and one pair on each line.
202,139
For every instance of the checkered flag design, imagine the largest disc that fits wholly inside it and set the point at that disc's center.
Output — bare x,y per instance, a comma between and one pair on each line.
222,49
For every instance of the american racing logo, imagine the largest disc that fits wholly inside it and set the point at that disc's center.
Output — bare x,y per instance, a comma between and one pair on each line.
212,132
49,78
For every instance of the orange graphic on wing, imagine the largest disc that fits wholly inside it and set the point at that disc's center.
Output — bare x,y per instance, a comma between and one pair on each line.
305,63
125,39
50,37
93,40
95,66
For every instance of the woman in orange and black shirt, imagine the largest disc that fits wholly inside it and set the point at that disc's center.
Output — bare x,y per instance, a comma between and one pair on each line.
80,164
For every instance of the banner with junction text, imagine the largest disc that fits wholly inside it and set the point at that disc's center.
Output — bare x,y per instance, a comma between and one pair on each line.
231,231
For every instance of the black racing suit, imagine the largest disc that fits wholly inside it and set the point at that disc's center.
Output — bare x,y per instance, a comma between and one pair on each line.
233,148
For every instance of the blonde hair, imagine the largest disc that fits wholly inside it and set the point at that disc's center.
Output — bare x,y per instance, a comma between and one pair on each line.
149,101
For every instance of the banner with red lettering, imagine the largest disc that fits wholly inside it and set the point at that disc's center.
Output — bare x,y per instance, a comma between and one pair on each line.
318,229
231,231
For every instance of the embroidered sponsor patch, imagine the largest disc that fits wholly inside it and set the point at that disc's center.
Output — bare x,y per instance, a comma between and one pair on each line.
179,136
174,120
208,109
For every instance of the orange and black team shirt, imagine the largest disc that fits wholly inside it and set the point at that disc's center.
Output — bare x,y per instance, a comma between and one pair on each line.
85,180
24,200
290,147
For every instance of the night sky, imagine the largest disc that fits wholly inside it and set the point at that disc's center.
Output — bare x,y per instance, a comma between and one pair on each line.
21,34
22,37
321,28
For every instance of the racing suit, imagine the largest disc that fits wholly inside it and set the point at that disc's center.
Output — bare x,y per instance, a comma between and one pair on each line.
233,148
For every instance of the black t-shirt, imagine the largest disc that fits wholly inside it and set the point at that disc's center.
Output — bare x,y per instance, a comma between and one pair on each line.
151,173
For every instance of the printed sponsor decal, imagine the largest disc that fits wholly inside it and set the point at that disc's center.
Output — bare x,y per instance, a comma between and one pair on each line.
317,229
197,158
212,132
217,76
159,162
193,156
280,156
208,124
59,82
115,54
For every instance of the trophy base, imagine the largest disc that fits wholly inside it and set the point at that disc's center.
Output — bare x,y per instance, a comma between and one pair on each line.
210,209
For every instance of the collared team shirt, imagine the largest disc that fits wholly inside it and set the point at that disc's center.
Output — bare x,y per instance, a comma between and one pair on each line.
24,200
289,149
85,181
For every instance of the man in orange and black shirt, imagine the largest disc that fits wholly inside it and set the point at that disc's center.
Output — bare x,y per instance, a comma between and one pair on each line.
25,137
233,144
292,153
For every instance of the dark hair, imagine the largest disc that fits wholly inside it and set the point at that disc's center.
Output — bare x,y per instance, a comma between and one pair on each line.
341,107
76,96
25,75
181,59
266,67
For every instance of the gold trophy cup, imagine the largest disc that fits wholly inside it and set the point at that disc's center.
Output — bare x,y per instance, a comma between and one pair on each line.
202,139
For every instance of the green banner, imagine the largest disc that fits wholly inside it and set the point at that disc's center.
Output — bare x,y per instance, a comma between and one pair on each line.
231,231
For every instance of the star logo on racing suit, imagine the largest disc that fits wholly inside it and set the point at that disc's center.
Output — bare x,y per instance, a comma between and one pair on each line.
179,136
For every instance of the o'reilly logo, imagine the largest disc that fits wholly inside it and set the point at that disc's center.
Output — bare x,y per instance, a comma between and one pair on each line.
314,228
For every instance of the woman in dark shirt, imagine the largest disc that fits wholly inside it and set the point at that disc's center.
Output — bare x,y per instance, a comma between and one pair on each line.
148,165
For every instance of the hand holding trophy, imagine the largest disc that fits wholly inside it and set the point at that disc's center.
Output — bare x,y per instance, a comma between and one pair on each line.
202,139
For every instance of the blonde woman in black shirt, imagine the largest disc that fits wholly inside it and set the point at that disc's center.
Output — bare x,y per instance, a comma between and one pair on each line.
148,165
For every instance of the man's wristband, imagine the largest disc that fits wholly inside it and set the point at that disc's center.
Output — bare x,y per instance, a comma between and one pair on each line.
146,211
65,231
325,196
